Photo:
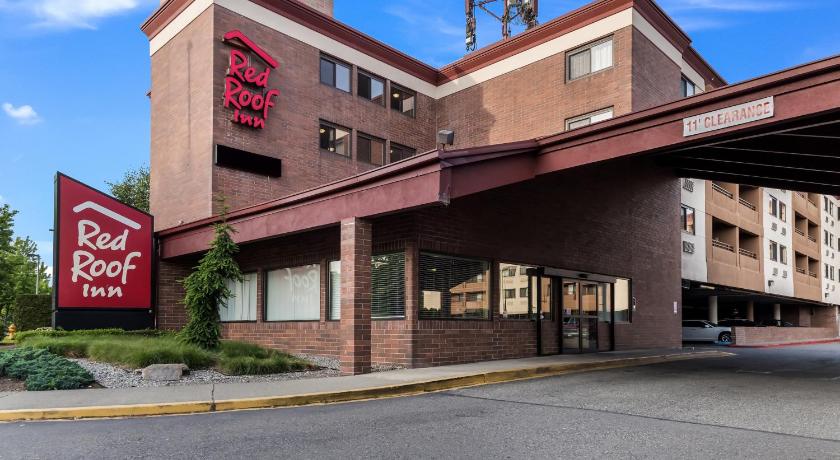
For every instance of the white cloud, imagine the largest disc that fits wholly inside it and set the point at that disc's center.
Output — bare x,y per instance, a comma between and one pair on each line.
24,114
71,13
1,199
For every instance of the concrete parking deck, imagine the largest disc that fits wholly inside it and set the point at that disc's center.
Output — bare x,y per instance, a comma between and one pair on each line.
70,404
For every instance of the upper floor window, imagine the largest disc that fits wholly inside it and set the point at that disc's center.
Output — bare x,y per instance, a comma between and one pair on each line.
687,219
687,87
370,149
371,88
590,59
401,152
335,73
403,100
589,118
774,206
782,211
334,138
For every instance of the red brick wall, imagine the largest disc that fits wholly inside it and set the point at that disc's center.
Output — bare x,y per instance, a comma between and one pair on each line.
182,125
556,221
291,132
656,78
536,100
746,336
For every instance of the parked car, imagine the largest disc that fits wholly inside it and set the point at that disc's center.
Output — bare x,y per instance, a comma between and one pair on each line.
704,331
737,322
775,323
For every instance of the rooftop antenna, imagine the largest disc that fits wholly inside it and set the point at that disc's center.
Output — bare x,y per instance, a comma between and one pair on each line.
522,12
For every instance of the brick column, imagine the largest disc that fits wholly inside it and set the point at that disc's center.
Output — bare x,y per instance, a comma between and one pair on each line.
355,296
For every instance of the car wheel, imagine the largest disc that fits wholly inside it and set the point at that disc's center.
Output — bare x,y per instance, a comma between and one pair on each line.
725,337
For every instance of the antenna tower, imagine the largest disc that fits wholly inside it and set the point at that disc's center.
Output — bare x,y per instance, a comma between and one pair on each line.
522,12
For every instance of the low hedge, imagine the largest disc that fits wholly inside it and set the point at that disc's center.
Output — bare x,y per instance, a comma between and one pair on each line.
42,370
31,311
50,332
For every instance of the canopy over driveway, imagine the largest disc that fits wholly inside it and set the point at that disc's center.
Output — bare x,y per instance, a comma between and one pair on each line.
792,140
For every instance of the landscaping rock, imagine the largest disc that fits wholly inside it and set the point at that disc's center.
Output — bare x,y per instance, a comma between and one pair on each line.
164,372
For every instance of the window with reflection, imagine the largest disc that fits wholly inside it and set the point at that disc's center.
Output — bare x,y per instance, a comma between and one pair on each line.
453,287
401,152
335,73
370,149
371,88
623,300
334,138
403,100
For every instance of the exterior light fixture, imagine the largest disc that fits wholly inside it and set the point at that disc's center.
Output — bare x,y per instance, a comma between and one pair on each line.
323,130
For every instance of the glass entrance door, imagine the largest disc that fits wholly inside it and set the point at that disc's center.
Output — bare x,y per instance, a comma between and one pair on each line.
580,302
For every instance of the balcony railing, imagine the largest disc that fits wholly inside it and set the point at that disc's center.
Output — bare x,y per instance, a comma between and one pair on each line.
801,270
748,253
722,190
746,203
801,232
813,275
722,245
801,194
812,238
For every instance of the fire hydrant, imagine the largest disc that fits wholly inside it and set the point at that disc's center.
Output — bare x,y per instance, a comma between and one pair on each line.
12,330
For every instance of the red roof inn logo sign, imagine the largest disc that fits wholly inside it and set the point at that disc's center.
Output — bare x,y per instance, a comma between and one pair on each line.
246,86
104,250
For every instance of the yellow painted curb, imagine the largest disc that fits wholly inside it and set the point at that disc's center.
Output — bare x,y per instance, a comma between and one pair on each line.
387,391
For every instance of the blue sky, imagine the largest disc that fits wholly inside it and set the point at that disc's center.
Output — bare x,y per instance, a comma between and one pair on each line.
74,73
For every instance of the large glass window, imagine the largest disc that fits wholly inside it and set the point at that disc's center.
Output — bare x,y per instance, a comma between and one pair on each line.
403,100
370,149
242,303
401,152
334,138
774,251
335,290
590,59
589,118
387,280
371,88
294,294
335,74
687,219
453,287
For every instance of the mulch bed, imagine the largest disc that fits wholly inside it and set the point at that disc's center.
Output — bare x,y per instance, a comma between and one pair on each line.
10,384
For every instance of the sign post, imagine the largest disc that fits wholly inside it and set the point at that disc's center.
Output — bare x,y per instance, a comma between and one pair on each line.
103,260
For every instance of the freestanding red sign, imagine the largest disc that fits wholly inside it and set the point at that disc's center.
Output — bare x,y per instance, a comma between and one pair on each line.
104,253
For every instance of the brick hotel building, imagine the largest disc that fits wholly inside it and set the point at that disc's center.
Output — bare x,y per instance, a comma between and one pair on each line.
364,239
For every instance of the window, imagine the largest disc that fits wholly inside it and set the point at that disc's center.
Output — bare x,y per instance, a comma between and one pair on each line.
335,74
782,212
294,294
774,251
622,290
242,303
523,292
687,87
825,203
783,254
590,59
825,270
401,152
442,277
371,88
589,118
370,149
510,294
774,206
513,278
335,290
403,100
335,139
687,219
387,282
825,237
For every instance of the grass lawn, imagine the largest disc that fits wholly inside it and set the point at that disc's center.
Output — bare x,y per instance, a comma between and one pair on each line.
140,349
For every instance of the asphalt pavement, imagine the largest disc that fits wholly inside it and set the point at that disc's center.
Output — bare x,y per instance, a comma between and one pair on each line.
762,403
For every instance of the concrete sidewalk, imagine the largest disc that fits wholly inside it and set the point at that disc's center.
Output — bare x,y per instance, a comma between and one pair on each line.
123,402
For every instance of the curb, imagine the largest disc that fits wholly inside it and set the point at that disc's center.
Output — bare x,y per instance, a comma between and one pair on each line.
388,391
787,344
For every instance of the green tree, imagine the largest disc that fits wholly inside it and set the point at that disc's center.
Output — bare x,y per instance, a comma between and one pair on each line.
133,189
206,288
20,267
